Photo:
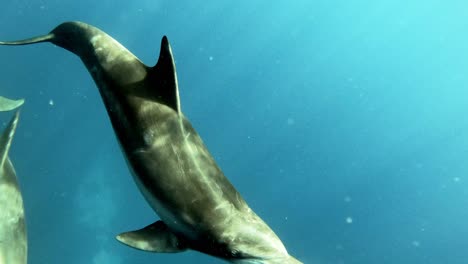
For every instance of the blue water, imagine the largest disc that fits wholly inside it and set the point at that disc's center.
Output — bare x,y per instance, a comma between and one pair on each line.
342,123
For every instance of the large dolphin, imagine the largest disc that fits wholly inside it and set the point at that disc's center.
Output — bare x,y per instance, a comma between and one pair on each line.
199,208
13,239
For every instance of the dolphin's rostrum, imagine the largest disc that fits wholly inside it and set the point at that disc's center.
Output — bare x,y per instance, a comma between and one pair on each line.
199,208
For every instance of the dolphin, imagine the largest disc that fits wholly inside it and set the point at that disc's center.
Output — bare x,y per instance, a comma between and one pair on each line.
13,238
199,208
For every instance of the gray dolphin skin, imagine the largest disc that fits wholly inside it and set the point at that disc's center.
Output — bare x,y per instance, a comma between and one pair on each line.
13,238
199,208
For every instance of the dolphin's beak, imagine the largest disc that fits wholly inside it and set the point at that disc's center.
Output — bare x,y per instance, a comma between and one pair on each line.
46,38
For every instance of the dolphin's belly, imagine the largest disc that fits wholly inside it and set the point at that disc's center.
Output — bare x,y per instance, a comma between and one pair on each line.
183,184
181,181
166,214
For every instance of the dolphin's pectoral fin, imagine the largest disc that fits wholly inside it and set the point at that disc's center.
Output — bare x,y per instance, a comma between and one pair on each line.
9,104
156,237
163,78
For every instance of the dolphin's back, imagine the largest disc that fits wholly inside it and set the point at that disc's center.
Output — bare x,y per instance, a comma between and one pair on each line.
13,242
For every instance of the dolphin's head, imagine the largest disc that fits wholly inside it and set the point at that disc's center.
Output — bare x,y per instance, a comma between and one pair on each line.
72,36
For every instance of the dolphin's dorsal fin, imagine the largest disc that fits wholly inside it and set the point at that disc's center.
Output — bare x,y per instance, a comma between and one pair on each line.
163,77
7,137
156,237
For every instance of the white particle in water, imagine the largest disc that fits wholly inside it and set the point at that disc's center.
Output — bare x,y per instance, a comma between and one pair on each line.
416,243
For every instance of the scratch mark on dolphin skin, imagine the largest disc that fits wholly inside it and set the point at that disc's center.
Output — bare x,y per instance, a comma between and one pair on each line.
179,161
95,39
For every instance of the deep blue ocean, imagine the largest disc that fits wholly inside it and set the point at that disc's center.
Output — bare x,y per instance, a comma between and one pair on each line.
342,123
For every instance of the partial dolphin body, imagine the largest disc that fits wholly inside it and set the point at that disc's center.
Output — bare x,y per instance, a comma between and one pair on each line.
199,208
9,104
13,239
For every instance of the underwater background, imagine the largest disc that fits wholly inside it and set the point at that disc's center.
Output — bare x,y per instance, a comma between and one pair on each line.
342,123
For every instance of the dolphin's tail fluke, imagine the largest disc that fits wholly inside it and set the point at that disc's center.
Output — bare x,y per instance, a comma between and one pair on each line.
44,38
